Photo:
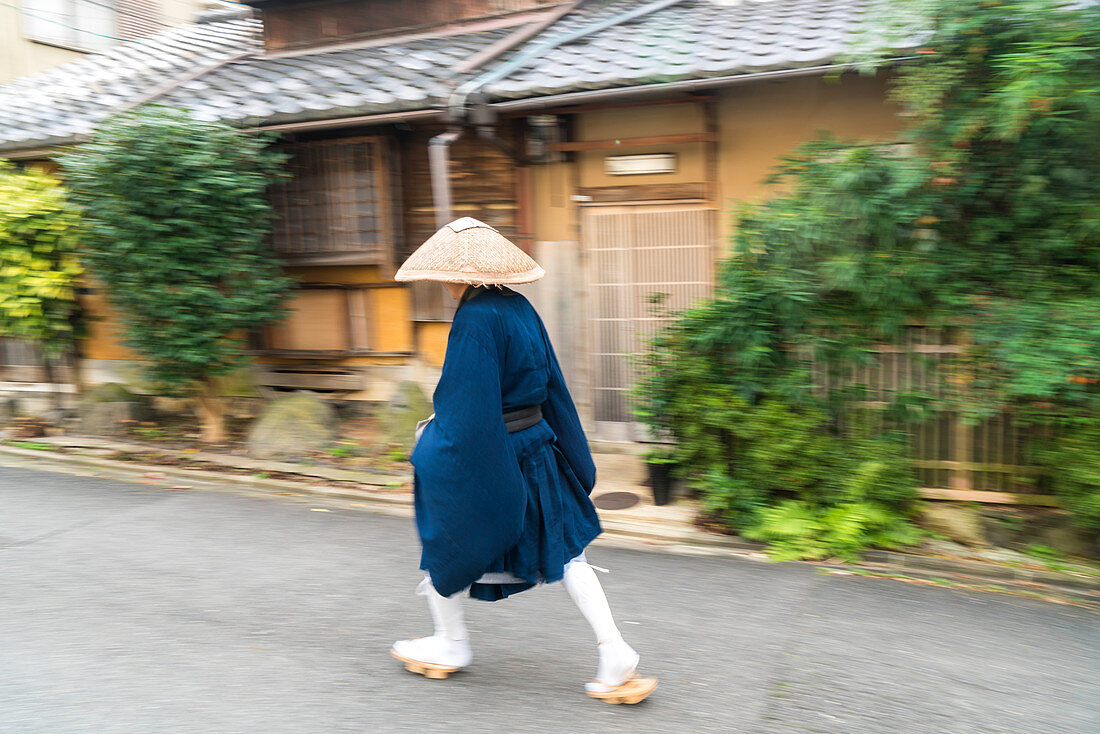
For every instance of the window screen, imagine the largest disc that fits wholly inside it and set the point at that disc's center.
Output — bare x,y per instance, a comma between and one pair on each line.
334,208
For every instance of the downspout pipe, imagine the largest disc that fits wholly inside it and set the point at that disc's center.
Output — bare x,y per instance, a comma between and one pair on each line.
439,146
439,160
457,113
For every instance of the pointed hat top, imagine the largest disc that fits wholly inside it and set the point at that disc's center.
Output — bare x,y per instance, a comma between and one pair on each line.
470,251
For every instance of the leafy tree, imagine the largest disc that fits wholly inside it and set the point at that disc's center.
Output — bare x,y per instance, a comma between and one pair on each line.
984,221
39,233
178,217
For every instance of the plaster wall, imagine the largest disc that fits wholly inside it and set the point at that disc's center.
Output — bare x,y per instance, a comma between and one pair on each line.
636,122
761,123
21,56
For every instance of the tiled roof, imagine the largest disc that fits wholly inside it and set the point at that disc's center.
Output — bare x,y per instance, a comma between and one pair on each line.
409,75
693,39
70,100
216,68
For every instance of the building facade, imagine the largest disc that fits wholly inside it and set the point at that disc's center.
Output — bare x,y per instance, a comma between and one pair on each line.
609,139
36,35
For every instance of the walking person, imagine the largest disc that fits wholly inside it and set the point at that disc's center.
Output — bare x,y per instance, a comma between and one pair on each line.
503,471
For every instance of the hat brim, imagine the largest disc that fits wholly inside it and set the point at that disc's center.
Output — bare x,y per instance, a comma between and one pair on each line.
469,251
470,278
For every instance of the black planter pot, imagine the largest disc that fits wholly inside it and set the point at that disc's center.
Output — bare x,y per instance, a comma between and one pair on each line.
660,481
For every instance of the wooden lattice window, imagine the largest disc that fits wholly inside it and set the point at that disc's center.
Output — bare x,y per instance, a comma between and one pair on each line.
335,208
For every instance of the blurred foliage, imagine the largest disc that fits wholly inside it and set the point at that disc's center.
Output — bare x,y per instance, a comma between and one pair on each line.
39,234
177,221
983,220
1074,460
797,529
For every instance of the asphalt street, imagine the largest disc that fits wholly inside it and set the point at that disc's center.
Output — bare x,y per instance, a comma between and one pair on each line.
135,608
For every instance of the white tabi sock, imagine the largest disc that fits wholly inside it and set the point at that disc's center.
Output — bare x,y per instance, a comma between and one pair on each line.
617,659
581,583
446,612
450,645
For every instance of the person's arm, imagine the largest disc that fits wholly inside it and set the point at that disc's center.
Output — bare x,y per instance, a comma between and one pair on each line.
471,506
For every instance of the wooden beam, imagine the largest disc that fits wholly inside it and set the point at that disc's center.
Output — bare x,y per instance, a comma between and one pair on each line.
312,380
368,257
995,498
576,109
515,38
710,114
632,142
308,285
646,192
973,466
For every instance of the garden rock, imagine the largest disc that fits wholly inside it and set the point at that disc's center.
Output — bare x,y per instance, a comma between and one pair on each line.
957,522
399,417
292,426
110,409
8,410
1040,527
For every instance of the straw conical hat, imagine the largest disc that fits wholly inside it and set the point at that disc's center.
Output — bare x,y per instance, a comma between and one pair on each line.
469,251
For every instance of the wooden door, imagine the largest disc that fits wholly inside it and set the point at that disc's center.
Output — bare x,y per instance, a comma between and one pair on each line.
643,262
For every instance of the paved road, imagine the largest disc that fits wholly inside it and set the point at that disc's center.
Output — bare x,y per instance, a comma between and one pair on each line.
125,608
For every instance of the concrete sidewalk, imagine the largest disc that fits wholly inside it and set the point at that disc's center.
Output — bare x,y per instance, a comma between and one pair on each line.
617,473
670,528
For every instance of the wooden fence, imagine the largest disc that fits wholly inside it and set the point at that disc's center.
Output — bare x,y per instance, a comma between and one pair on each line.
21,361
983,462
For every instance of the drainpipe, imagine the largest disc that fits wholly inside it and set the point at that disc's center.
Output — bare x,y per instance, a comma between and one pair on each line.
484,118
439,148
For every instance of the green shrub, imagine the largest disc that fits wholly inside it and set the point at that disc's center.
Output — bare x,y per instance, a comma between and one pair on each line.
736,501
983,225
807,492
177,216
1074,472
794,529
40,232
881,473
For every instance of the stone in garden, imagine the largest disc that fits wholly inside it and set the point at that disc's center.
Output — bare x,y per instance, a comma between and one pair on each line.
110,409
1021,528
398,418
1056,529
959,523
8,410
292,426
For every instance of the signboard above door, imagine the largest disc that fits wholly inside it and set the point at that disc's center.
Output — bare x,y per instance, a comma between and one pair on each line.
632,165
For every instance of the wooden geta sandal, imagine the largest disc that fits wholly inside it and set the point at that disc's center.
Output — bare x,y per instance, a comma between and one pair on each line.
428,670
633,690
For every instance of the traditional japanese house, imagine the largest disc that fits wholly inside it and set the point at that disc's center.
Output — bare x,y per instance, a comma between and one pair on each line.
609,138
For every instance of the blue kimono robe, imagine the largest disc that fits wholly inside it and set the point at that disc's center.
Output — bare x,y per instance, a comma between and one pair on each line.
488,500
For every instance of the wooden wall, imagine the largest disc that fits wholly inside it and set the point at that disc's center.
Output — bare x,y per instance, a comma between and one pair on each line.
483,186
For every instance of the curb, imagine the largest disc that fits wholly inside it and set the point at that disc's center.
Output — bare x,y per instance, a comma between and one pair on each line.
655,535
391,499
1061,592
978,569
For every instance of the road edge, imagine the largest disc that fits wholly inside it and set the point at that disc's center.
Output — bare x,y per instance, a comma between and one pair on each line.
620,532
